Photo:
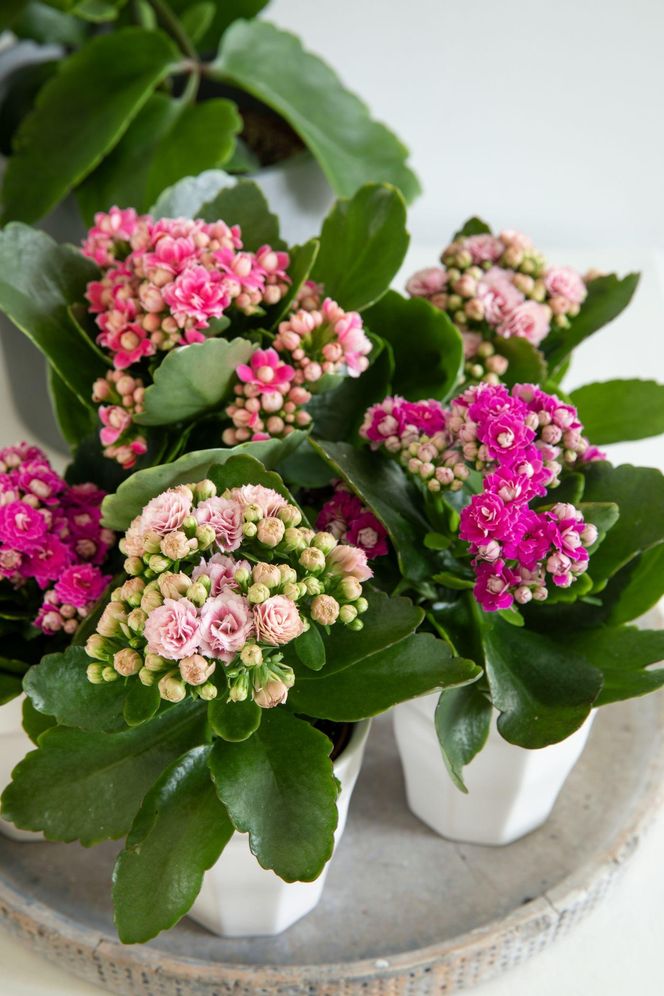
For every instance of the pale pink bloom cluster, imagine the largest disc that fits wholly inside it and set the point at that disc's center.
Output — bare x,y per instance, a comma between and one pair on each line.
267,403
224,579
499,287
51,539
120,397
328,340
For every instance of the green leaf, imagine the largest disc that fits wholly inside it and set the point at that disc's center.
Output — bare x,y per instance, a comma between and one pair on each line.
98,11
302,259
474,226
243,203
197,19
47,26
310,648
234,721
618,410
58,686
338,413
642,589
89,786
414,666
35,723
428,348
624,655
279,787
179,832
607,297
463,721
639,494
75,420
382,485
141,703
38,281
526,363
185,199
351,148
10,687
241,468
603,515
544,692
224,15
452,581
10,10
80,114
362,245
193,380
133,494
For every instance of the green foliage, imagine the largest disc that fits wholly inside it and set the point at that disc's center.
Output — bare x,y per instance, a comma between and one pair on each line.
34,722
141,703
244,204
640,589
310,648
185,199
619,410
234,721
362,245
279,787
463,720
338,413
351,148
179,832
526,363
474,226
427,346
75,420
224,14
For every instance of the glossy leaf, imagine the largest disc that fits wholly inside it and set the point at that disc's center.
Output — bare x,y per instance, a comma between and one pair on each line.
310,648
362,245
526,363
80,114
234,721
75,420
193,380
625,656
243,203
414,666
34,722
241,468
543,691
179,832
141,703
302,259
279,787
463,720
10,11
185,199
10,687
89,786
641,589
133,494
618,410
474,226
58,686
224,15
351,148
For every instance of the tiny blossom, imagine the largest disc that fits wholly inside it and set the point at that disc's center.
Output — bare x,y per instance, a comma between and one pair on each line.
350,521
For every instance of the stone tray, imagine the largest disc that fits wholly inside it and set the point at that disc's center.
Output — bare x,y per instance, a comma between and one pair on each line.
404,912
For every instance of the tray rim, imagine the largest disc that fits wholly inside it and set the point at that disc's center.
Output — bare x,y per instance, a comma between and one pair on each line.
544,919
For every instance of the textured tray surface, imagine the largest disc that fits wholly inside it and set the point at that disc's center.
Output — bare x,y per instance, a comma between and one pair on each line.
403,910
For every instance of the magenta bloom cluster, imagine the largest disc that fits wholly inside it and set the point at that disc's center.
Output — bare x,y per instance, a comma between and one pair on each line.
50,533
350,521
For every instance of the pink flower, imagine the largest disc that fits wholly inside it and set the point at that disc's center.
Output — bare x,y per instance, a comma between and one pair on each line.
22,527
80,585
47,562
171,253
493,588
226,625
265,370
349,560
37,477
484,248
268,501
220,569
225,517
173,630
506,435
277,621
115,421
485,518
367,533
426,416
498,295
384,420
425,283
350,334
529,320
197,293
166,511
565,282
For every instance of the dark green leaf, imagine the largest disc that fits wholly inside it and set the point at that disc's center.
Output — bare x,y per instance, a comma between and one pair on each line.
624,655
526,363
414,666
224,15
75,420
80,115
47,26
474,226
10,10
543,692
35,723
607,297
243,203
452,581
240,469
179,832
618,410
234,721
603,515
279,787
10,687
641,590
193,380
463,720
428,348
89,786
302,259
197,19
310,648
351,148
134,493
141,703
338,414
58,686
362,245
305,469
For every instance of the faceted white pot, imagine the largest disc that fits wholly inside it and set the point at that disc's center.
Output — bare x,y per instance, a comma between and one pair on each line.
299,194
241,899
511,791
14,745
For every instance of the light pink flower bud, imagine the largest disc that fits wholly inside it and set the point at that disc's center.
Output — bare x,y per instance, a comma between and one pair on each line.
196,670
324,610
127,662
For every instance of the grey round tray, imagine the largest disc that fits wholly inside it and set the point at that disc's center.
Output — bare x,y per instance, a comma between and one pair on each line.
403,910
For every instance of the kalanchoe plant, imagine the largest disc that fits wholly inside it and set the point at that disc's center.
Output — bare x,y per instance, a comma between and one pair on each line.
236,632
145,93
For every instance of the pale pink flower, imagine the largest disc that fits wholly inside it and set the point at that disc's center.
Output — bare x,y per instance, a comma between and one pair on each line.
349,560
166,511
220,569
173,629
268,501
484,248
226,625
277,621
563,281
497,294
530,320
225,517
425,283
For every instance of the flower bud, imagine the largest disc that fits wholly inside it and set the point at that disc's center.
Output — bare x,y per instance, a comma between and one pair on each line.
287,573
174,545
361,605
312,560
253,513
356,625
152,599
132,591
251,655
274,693
239,688
291,590
152,542
111,620
312,586
158,564
258,593
99,648
197,593
294,539
267,574
325,542
109,674
242,575
95,673
189,526
134,566
146,677
136,621
270,531
204,489
350,588
249,530
172,687
347,613
127,662
589,534
325,610
173,585
206,536
196,669
154,662
290,515
208,691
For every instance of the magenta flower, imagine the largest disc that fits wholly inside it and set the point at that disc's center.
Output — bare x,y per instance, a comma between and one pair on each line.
173,630
80,585
494,585
367,533
226,625
197,293
425,416
48,561
265,371
22,527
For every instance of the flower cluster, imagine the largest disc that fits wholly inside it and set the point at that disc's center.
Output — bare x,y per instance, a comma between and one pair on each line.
50,535
167,283
350,521
222,579
277,382
120,397
499,287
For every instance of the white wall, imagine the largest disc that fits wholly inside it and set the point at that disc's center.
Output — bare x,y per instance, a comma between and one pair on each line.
541,116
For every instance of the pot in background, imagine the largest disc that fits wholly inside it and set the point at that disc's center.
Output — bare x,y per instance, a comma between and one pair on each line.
14,745
511,791
240,899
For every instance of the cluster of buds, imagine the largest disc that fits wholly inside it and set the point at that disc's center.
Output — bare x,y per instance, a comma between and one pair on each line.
323,341
499,286
267,404
219,585
120,397
51,540
351,521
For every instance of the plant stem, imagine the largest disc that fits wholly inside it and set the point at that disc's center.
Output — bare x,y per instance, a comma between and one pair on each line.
171,22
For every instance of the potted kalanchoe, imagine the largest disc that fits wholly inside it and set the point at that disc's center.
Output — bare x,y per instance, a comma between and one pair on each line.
240,651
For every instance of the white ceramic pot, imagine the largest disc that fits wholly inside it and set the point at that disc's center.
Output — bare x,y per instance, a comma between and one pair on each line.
299,194
14,745
241,899
511,791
